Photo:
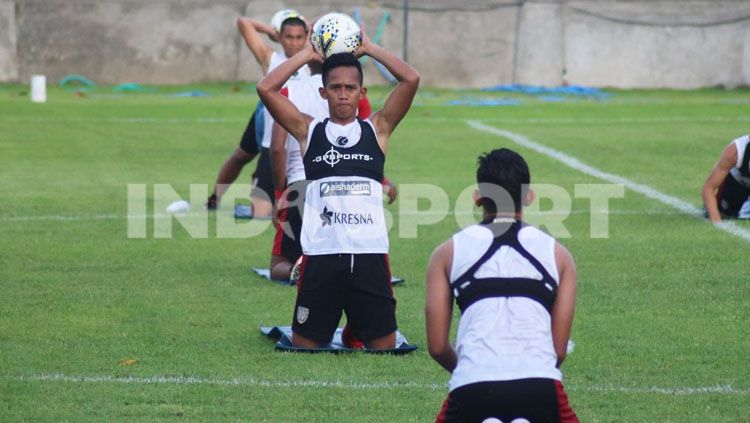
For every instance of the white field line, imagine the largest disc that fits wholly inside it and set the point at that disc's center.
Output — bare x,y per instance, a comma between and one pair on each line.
133,120
267,383
608,121
550,121
79,218
572,162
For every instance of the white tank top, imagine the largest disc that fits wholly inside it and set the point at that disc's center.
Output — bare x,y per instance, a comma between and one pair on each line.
304,72
504,338
343,211
304,94
741,144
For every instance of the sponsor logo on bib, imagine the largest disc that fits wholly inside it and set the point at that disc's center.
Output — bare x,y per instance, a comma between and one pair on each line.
332,157
328,189
330,218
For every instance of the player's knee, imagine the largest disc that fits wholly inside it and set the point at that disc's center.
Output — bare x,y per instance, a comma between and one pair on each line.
383,343
241,157
280,268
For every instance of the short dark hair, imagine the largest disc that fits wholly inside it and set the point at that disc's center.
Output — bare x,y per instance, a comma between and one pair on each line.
295,21
505,169
338,60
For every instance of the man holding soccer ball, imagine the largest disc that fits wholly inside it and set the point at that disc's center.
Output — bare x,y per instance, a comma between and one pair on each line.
344,237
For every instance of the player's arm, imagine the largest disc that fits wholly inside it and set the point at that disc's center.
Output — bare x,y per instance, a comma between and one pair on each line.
399,100
278,156
389,189
439,307
251,30
283,110
727,161
564,307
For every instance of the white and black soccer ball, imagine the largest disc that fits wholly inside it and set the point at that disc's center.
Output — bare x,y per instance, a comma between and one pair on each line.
336,33
282,15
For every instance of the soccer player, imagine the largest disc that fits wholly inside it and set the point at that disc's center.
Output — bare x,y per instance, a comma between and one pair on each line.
515,287
292,37
288,171
727,187
344,237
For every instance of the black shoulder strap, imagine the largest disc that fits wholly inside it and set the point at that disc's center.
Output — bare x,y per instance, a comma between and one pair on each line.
467,289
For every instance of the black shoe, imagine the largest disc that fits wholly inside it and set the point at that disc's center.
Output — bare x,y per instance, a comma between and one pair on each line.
212,203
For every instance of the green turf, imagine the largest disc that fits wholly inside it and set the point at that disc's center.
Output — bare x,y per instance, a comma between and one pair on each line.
662,304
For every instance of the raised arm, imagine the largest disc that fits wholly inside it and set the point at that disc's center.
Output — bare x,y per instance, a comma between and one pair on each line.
439,307
283,110
727,161
564,307
399,100
251,30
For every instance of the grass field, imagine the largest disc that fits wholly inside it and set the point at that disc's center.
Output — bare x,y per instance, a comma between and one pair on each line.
98,326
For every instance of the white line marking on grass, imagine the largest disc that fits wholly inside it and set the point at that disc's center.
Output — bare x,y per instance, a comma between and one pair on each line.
250,381
572,162
134,120
628,120
62,218
542,121
74,218
716,389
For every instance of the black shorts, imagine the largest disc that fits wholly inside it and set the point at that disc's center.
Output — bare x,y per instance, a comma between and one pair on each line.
262,177
287,241
536,400
731,196
249,141
356,284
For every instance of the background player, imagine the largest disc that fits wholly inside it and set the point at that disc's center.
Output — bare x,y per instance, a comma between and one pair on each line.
515,287
292,36
727,187
345,266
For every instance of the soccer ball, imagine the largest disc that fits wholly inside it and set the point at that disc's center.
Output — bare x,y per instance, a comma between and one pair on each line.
336,33
281,16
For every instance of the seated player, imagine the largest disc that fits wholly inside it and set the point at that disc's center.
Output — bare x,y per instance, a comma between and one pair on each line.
344,237
256,139
288,172
727,187
515,286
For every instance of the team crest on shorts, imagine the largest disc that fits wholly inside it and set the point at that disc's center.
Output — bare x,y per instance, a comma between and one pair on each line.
302,313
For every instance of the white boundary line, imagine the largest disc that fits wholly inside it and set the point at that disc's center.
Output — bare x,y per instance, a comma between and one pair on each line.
251,381
134,120
628,120
94,217
551,121
574,163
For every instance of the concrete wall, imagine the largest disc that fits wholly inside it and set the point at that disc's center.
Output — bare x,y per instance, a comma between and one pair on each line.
702,44
8,43
634,43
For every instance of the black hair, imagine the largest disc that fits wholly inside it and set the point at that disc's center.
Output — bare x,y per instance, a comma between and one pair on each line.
295,21
341,59
505,169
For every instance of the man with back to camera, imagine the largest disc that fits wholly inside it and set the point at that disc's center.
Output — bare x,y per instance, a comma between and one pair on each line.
344,237
515,286
727,188
292,35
